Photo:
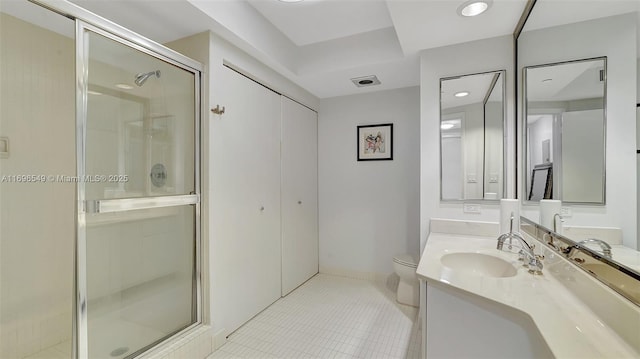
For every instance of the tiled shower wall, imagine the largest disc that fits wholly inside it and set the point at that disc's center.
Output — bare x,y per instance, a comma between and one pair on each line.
37,114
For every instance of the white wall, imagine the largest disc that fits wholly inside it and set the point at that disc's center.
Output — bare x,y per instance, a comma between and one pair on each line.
369,210
37,114
614,37
488,55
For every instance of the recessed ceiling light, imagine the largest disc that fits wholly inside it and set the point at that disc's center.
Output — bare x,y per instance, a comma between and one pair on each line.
461,94
124,86
474,7
446,126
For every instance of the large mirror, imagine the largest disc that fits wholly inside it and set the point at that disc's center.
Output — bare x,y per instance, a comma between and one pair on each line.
598,42
565,111
472,116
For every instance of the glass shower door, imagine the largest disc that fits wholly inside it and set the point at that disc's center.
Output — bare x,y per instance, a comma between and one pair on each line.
138,188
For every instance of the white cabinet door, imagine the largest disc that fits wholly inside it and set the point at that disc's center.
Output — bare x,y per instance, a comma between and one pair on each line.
245,205
299,194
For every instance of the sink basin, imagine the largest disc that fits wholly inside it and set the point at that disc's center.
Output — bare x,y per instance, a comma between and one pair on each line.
479,264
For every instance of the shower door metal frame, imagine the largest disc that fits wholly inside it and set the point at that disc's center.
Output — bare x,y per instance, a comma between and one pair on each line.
125,204
87,21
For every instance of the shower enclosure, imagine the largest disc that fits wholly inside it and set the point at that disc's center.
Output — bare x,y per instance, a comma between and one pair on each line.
99,187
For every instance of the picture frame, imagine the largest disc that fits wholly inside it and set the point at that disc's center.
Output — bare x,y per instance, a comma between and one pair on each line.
375,142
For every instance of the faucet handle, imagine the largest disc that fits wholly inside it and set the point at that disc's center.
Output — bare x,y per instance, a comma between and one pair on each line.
535,265
535,271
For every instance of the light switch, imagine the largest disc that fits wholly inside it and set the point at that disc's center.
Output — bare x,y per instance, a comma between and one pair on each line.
471,208
565,212
471,178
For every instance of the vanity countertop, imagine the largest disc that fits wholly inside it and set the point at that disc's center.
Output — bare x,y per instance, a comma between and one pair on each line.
570,327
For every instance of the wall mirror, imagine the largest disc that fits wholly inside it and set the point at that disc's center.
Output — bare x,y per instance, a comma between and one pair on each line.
472,142
565,107
588,40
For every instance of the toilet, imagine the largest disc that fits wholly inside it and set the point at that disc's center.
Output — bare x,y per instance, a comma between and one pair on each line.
409,287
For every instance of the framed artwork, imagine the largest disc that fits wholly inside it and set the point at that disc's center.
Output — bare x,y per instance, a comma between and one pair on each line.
375,142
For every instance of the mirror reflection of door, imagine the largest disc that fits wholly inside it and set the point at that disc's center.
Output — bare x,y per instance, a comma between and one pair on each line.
451,142
472,137
494,139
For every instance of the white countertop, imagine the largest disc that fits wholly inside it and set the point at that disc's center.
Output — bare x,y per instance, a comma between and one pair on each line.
569,327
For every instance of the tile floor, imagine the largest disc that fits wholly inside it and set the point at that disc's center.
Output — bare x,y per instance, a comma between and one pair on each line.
330,317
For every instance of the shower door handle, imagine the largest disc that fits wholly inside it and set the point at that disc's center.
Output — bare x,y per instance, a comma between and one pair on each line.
132,204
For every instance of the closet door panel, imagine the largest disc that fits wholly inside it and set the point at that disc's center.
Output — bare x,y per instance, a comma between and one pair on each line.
245,202
299,194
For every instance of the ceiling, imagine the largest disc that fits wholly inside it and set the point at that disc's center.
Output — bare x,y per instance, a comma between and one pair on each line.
547,13
565,82
320,44
310,21
476,85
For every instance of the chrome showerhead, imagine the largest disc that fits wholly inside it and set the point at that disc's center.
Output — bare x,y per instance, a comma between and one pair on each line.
142,77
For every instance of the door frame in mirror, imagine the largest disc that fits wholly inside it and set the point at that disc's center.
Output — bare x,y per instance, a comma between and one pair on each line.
505,143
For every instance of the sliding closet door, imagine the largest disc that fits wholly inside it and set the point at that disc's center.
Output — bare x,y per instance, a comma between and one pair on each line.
299,194
245,203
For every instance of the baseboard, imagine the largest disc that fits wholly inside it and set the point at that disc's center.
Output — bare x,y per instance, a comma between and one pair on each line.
219,338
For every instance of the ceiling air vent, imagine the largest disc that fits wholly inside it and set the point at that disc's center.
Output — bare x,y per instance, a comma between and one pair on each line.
365,81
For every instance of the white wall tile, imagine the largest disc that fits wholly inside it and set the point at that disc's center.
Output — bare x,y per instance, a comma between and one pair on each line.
37,222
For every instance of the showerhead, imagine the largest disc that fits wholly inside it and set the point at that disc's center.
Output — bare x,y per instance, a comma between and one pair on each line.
142,77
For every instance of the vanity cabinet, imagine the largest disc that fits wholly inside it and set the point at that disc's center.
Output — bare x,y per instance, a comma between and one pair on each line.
264,227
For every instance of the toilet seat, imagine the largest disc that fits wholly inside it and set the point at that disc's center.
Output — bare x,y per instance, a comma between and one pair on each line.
406,260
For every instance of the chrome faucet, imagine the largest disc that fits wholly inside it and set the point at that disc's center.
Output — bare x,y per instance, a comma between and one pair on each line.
555,222
534,264
606,248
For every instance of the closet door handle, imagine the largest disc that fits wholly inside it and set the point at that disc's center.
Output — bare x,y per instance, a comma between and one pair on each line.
299,202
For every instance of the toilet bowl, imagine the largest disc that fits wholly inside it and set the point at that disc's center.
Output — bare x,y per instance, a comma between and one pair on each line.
409,287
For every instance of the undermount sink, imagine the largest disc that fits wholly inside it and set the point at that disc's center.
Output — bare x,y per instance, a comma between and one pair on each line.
479,264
